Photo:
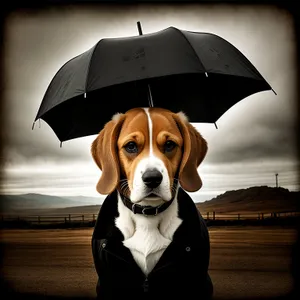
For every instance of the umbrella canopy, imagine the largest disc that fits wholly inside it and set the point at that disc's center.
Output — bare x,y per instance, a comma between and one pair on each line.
198,73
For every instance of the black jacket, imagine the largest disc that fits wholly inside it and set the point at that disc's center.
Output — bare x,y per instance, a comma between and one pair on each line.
181,271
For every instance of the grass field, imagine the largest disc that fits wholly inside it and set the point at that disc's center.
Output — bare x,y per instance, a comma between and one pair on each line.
246,262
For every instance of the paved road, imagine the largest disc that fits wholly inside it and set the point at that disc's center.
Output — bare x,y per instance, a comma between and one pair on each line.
245,262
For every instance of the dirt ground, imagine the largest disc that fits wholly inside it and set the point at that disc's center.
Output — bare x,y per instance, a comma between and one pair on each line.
246,262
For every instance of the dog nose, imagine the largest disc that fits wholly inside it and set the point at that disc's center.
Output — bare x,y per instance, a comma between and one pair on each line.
152,178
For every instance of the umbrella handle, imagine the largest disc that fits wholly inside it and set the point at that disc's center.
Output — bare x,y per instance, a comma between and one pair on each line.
139,26
150,96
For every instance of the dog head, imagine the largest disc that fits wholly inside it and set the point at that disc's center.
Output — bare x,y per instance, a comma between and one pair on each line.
146,152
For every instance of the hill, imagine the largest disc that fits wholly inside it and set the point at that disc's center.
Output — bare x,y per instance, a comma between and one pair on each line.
253,199
38,202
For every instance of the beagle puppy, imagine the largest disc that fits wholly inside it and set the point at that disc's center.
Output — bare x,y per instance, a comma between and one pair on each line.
146,155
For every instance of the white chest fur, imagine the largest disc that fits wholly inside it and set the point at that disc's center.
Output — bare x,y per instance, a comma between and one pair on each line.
147,237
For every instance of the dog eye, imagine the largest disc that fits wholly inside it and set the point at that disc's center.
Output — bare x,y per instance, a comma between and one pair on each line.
169,146
131,147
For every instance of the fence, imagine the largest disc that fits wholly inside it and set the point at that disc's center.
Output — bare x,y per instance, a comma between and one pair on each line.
249,216
91,218
50,219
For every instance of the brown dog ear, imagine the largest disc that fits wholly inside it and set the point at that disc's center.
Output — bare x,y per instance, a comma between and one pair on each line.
104,152
194,151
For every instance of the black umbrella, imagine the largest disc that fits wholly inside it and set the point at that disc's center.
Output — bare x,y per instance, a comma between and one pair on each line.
198,73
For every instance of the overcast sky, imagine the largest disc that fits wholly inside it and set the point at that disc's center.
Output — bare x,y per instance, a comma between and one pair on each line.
255,139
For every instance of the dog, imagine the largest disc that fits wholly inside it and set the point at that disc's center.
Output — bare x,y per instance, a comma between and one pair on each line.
149,237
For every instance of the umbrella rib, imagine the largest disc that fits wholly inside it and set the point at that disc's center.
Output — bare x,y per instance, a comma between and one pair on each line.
88,69
189,43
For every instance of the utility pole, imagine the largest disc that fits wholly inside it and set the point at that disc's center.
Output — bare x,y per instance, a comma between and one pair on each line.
276,178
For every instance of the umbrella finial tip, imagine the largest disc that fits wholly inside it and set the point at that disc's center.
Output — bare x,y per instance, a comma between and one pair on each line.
139,26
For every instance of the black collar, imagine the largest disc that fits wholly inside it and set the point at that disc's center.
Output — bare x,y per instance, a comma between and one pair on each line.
146,210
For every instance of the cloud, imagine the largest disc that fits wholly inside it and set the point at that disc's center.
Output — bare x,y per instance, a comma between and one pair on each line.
72,178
